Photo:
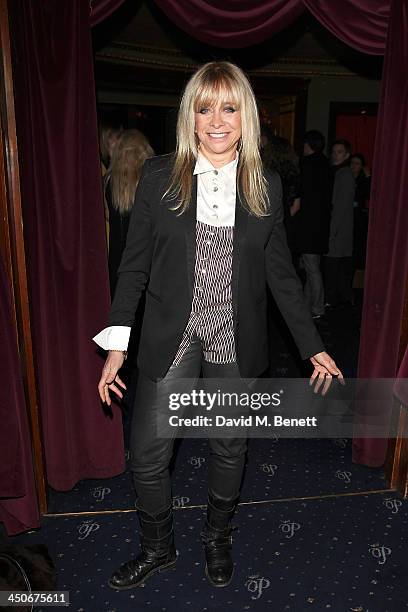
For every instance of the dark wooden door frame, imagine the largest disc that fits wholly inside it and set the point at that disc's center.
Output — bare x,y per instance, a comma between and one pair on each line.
13,250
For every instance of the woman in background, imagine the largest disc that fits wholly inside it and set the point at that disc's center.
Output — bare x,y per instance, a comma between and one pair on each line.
131,151
108,138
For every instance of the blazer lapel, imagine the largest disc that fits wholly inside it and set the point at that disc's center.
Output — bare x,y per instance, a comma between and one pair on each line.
241,222
189,218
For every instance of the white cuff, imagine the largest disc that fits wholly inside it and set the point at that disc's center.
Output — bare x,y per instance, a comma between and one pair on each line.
113,338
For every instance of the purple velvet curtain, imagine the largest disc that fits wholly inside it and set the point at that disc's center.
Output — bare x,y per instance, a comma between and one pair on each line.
387,258
65,236
240,23
18,504
231,23
362,24
101,9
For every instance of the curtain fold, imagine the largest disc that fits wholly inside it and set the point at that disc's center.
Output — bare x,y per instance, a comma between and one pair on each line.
361,24
101,9
65,237
387,255
18,499
231,23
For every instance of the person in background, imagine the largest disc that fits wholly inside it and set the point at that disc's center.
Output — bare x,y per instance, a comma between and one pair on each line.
206,239
128,156
362,177
108,137
279,155
339,264
312,222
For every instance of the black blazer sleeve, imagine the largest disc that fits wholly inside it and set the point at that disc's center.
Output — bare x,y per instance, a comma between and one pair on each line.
134,269
283,281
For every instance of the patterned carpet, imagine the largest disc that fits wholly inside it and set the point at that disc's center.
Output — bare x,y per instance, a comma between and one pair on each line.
275,469
339,554
315,531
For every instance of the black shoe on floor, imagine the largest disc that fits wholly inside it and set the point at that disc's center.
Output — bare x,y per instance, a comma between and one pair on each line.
136,571
217,540
157,552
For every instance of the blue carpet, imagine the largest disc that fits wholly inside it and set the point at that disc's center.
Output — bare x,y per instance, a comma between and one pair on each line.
281,468
339,554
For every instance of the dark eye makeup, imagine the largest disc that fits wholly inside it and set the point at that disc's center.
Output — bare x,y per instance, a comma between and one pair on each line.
229,109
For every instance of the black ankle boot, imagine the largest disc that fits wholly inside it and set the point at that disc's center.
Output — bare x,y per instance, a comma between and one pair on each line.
217,539
157,551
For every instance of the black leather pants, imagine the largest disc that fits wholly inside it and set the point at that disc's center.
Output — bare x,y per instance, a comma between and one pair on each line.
150,455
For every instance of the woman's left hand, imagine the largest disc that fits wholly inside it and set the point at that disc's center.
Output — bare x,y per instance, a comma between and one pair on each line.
324,370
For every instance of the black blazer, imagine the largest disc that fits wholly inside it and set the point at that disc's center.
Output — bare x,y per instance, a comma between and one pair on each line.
160,255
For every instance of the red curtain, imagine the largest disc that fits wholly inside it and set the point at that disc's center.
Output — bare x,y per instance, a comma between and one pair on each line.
65,239
101,9
232,23
387,257
18,505
362,24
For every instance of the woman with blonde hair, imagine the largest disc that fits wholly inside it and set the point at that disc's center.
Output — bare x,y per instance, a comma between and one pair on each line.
206,238
130,153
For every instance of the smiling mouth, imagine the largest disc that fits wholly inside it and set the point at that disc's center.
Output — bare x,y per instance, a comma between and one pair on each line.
217,134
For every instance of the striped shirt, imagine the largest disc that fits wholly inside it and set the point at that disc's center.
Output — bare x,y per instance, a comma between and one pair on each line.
211,318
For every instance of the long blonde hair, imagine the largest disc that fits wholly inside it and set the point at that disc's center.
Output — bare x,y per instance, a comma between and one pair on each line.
129,155
212,82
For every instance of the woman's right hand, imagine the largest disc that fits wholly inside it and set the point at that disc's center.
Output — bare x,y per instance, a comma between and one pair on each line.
110,379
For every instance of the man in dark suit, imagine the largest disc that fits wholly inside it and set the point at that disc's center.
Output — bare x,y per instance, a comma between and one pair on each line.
312,221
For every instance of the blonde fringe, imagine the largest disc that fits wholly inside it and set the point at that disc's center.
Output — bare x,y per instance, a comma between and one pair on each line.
211,81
